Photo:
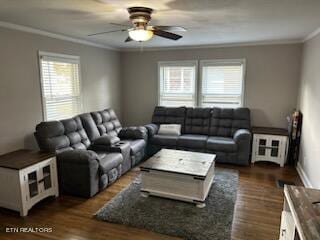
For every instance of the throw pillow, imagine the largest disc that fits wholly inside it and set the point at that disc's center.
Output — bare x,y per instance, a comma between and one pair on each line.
170,129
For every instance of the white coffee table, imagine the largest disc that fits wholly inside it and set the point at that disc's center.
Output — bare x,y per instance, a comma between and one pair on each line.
180,175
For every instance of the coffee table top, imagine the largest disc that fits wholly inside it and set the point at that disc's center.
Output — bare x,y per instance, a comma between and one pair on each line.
182,162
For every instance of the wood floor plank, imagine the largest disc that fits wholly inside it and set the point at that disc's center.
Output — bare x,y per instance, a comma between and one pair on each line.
257,210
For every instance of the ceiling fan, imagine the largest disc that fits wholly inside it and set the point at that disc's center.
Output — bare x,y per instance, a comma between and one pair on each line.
141,30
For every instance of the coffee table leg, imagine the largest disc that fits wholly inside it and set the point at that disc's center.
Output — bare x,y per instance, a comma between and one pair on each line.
144,194
200,205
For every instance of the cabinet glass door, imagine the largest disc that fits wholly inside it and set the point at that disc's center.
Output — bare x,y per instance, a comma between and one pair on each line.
33,184
262,144
275,144
47,182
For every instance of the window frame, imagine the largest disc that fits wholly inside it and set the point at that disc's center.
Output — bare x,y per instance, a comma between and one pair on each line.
193,63
205,62
198,75
71,58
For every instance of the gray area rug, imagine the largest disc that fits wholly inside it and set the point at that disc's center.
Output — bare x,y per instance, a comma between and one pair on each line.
177,218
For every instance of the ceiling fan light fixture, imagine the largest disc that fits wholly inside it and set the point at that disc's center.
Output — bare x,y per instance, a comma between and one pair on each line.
141,31
140,35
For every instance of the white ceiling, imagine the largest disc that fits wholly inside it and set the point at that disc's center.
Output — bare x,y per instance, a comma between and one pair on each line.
209,22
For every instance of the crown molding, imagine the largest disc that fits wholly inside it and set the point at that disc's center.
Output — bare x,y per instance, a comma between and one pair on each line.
137,49
53,35
312,35
245,44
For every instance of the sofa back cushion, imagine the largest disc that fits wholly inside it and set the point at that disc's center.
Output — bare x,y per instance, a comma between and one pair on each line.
225,121
59,136
197,121
90,126
107,122
169,115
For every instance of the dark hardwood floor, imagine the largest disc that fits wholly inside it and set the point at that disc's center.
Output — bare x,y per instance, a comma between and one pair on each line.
257,211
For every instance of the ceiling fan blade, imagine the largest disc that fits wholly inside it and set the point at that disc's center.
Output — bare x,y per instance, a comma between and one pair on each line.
170,28
165,34
128,39
119,24
93,34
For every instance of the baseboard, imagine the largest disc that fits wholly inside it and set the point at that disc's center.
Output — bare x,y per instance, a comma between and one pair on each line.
305,180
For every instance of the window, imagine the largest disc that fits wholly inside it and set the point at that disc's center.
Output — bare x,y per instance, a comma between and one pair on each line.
60,84
177,83
222,83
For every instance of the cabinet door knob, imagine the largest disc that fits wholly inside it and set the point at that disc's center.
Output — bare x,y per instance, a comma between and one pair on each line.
283,232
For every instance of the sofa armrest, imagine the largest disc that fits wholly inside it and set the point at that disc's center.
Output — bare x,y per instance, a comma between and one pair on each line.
106,140
152,129
77,157
78,172
133,133
104,143
242,135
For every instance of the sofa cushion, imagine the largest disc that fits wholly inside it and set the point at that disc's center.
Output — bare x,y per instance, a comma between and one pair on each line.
108,161
197,121
136,145
50,136
164,140
193,141
106,140
221,144
107,122
64,135
75,132
169,115
226,121
89,125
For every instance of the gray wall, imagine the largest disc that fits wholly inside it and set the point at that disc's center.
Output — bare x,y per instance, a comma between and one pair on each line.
309,103
128,83
272,80
20,99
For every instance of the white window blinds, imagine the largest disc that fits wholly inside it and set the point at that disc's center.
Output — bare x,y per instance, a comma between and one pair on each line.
60,84
177,84
222,83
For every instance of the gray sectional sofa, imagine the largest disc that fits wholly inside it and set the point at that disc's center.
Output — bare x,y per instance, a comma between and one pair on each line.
225,132
92,150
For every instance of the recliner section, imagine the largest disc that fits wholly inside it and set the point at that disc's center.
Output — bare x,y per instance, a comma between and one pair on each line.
223,131
59,136
91,152
78,172
106,124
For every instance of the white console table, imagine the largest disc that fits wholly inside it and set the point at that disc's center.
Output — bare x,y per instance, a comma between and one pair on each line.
269,144
26,177
300,219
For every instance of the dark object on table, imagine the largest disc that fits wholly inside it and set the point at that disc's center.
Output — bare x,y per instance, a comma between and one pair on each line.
295,127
